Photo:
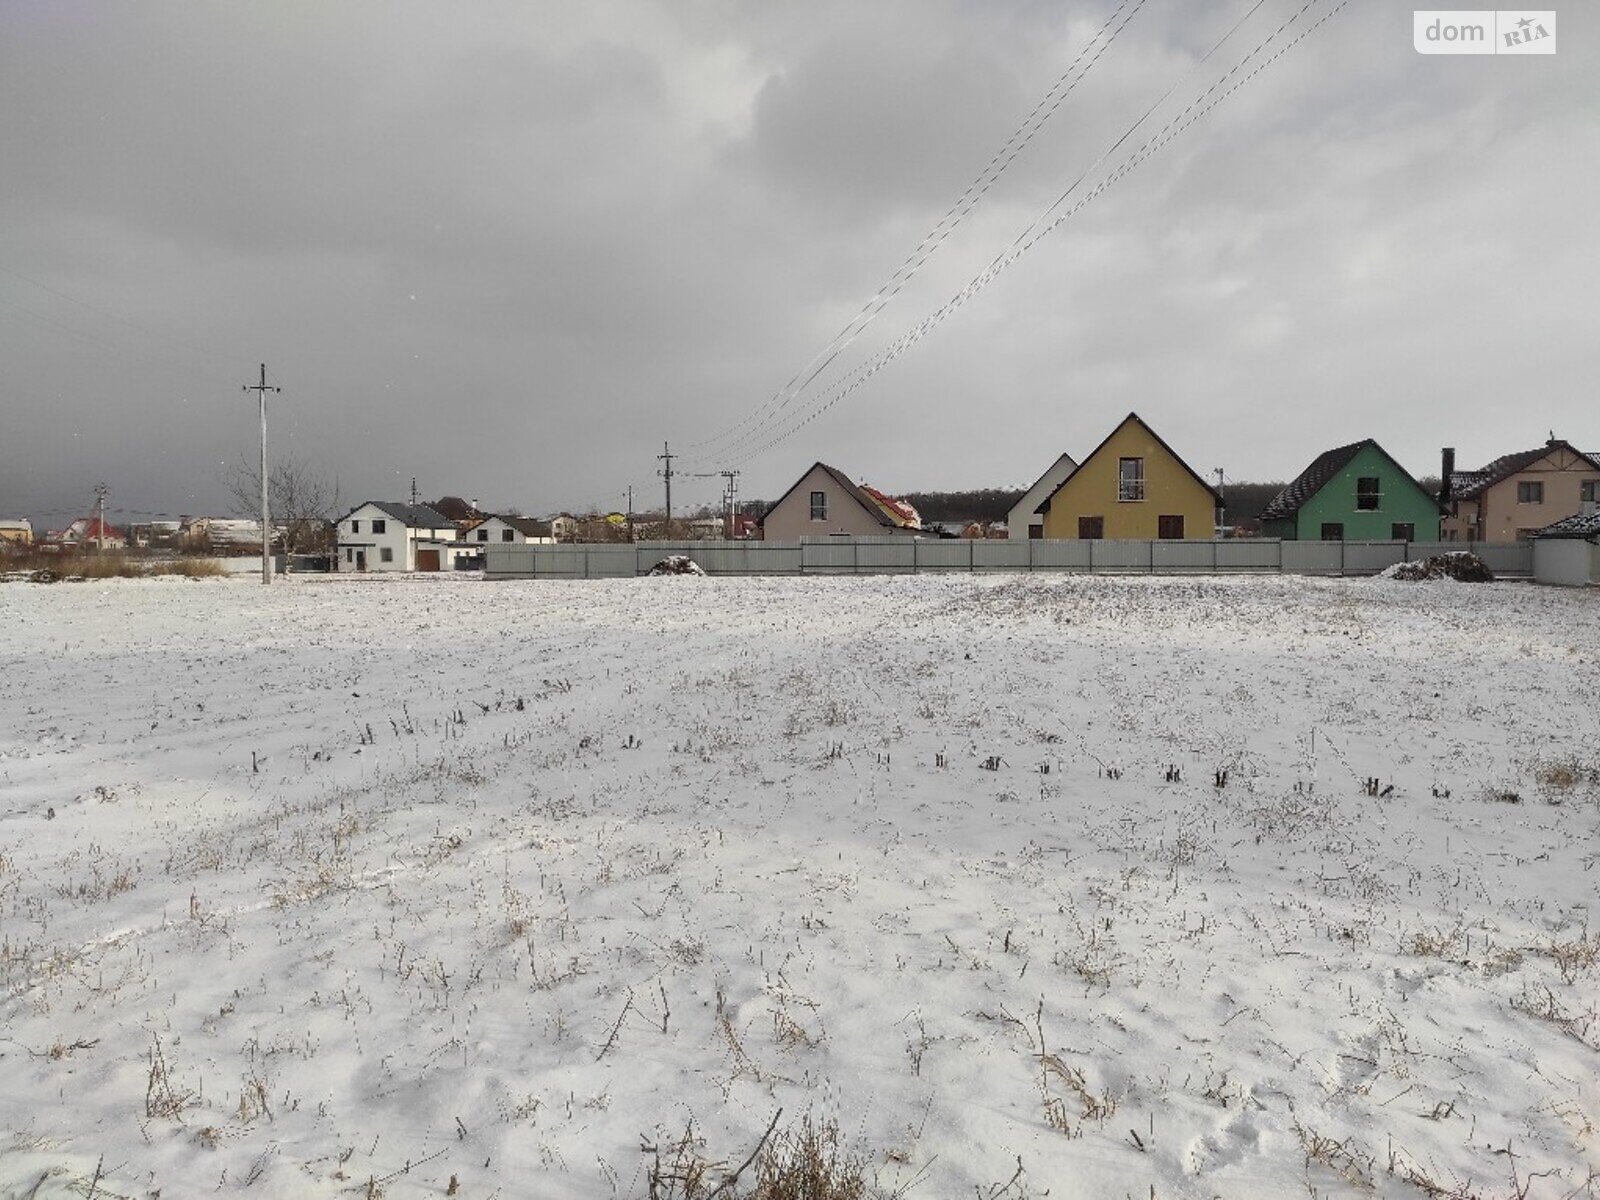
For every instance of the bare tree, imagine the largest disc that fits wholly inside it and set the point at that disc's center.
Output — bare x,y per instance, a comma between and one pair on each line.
304,501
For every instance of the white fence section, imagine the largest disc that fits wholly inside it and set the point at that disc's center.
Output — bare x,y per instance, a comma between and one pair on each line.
909,556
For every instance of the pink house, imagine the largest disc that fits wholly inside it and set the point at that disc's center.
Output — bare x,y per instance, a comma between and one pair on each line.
1517,494
824,503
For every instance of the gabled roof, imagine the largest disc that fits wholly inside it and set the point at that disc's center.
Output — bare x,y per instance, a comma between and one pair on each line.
413,516
1474,483
1043,487
876,510
454,508
1578,525
1316,477
526,526
1133,416
902,514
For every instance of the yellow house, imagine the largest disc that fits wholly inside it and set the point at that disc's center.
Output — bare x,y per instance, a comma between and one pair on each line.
1132,486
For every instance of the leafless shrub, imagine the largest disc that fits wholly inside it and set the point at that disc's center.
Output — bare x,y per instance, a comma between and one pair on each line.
1541,1002
1345,1158
163,1098
189,568
1436,943
1574,956
807,1161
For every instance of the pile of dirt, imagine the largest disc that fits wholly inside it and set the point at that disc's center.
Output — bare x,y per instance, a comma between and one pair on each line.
676,564
1459,565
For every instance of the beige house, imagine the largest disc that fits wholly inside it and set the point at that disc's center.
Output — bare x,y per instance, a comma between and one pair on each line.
824,503
19,531
1518,494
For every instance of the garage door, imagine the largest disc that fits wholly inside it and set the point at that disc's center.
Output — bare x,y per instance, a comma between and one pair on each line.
427,560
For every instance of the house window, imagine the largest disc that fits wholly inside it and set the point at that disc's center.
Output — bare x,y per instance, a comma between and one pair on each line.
1367,493
1403,531
1170,527
1091,528
507,535
483,535
1332,531
386,554
1530,492
349,554
1130,479
380,527
819,506
1035,532
355,526
1587,490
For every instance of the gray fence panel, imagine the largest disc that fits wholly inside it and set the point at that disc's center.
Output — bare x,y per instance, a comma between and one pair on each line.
1002,554
847,556
945,555
1061,556
837,556
1121,555
1311,558
887,557
1247,554
1368,558
1180,557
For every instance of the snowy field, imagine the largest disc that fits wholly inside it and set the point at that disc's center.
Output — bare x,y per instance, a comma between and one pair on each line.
1067,886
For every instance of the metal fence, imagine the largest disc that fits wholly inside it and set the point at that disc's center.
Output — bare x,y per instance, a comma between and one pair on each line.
911,556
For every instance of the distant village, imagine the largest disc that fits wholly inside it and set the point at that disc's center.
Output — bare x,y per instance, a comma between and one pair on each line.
1132,486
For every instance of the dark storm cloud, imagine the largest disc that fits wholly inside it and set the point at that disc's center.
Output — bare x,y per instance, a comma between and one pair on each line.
510,248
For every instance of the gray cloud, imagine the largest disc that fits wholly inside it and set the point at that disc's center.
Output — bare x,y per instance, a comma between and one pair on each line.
509,249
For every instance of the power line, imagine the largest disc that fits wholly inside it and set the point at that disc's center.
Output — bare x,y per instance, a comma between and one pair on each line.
1023,243
230,359
976,190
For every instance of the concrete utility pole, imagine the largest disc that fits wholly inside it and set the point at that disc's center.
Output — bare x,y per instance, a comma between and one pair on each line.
100,491
667,456
261,389
630,512
732,498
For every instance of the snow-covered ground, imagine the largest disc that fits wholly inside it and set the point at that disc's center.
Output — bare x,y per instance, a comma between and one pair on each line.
302,887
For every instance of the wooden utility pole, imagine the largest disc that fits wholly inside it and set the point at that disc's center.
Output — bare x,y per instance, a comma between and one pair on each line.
667,456
261,389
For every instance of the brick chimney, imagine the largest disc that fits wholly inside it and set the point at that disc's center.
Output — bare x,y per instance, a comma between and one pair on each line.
1447,468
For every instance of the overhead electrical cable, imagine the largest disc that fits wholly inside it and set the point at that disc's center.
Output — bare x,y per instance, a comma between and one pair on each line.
1025,132
1038,229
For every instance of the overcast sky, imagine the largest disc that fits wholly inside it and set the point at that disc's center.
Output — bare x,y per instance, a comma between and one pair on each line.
511,249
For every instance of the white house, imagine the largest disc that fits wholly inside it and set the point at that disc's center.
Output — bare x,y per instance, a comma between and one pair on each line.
507,531
385,535
1025,520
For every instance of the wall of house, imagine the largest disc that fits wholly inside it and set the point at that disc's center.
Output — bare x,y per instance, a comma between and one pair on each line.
395,537
1169,489
791,519
1400,501
1563,475
1023,513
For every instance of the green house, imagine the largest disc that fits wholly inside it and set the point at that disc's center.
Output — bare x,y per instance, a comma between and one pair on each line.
1355,493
